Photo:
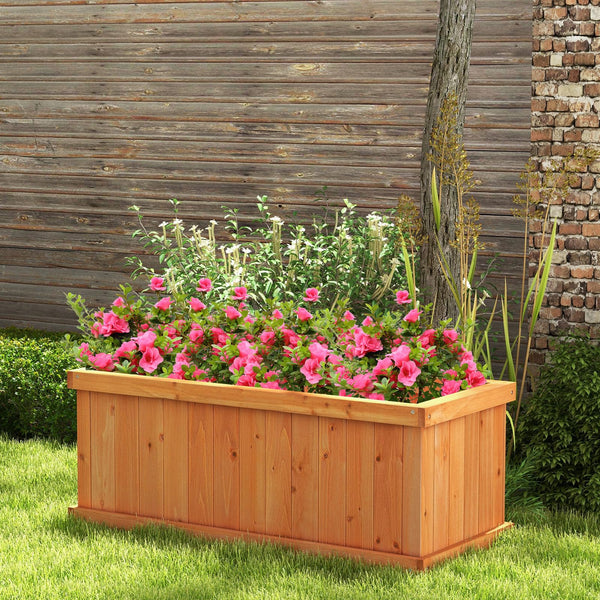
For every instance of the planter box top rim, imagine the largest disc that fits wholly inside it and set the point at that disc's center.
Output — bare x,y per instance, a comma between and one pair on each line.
427,413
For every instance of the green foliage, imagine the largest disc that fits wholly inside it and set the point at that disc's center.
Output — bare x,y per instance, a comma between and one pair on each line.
561,427
347,256
34,399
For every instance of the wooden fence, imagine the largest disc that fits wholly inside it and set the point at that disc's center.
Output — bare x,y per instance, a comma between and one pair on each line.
107,104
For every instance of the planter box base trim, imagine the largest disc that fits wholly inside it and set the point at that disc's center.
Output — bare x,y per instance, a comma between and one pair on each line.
127,521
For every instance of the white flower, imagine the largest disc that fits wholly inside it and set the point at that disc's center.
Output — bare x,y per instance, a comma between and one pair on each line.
164,224
246,251
466,284
213,222
177,222
276,220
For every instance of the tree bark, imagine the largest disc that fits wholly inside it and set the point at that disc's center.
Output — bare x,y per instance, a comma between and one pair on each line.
449,74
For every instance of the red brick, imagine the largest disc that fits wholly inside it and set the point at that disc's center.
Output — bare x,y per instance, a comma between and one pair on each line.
592,89
543,28
580,45
553,14
573,135
568,59
585,58
576,243
593,213
565,300
560,271
538,74
579,13
562,149
569,229
543,135
574,75
582,272
578,301
590,302
590,120
559,45
591,229
544,120
564,120
541,60
557,105
581,214
575,315
538,104
593,287
543,45
567,27
587,28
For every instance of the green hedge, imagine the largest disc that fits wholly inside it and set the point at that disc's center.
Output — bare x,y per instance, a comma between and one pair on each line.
34,399
561,428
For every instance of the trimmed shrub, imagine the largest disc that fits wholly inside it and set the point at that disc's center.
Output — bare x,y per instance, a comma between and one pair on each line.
34,398
561,427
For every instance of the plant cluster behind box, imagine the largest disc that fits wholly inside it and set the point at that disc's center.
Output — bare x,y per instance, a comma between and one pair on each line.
561,427
34,398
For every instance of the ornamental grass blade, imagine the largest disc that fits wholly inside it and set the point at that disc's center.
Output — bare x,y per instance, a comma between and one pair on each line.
509,358
541,291
472,267
435,201
409,271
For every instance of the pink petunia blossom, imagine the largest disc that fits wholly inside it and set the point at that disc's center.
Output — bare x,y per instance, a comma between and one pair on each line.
365,343
232,313
303,314
240,293
204,285
318,351
267,338
311,295
102,361
450,386
361,383
119,302
196,334
475,378
151,359
367,322
164,304
402,297
348,316
196,305
277,314
413,316
408,373
84,350
383,366
157,284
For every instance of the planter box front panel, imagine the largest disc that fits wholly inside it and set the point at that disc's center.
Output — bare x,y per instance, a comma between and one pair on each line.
374,490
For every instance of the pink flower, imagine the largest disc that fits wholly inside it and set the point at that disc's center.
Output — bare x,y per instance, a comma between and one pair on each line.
249,319
126,349
303,314
427,338
309,370
119,302
204,285
361,383
475,378
383,366
376,397
240,293
164,304
318,351
400,355
365,343
367,322
413,316
267,337
272,385
111,323
196,334
277,314
196,305
348,316
402,297
151,359
408,373
84,350
232,313
102,361
146,340
157,284
450,386
450,336
311,295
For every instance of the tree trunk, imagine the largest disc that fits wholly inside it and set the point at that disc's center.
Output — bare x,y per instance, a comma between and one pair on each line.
449,74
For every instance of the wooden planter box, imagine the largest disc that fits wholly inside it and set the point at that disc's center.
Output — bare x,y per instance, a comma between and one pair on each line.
402,483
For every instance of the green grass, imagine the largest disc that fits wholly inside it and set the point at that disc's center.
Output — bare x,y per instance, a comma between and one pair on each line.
46,554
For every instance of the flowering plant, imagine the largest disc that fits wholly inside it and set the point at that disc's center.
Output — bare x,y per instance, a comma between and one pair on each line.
290,345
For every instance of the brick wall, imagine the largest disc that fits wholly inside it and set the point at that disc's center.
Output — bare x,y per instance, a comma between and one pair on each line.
565,115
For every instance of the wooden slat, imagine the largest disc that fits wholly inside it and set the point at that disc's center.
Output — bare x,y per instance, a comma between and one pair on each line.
413,490
226,469
176,460
102,449
151,444
472,486
84,468
486,469
332,481
359,484
498,472
441,486
456,484
201,457
279,474
305,477
253,471
388,492
127,462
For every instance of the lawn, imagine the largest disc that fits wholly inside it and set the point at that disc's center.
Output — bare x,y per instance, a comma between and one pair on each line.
45,554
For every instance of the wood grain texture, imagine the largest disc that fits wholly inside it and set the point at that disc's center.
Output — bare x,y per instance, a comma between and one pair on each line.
108,104
84,468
